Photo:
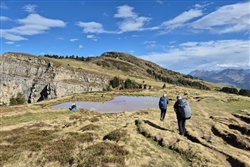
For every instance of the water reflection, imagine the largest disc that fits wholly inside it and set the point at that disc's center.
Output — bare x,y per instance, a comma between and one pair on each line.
118,104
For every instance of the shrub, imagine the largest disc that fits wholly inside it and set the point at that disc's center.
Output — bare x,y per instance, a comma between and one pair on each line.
115,135
115,82
244,92
19,99
230,90
102,154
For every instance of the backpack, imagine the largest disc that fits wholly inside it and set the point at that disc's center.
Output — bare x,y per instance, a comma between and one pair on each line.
163,102
184,108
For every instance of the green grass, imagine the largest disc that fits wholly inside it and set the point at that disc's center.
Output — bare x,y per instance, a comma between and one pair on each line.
28,116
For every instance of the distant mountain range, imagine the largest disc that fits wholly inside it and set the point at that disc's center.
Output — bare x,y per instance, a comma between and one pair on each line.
229,77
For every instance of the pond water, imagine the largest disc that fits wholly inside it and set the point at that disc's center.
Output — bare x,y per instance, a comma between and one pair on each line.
118,104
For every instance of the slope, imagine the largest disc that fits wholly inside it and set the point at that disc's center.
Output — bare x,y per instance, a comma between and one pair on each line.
217,133
39,77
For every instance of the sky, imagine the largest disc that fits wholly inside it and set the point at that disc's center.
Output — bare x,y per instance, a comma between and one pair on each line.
179,35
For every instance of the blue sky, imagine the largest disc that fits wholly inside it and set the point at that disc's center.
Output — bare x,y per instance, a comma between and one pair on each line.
178,35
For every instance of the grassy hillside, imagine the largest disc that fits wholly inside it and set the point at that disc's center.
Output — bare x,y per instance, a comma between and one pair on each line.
218,133
124,65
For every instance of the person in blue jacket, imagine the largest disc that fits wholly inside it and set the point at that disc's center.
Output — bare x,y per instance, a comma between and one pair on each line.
73,107
163,102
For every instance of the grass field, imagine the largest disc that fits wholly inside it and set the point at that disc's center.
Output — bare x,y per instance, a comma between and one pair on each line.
217,134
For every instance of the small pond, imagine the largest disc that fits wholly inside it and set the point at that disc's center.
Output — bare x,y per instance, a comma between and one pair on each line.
118,104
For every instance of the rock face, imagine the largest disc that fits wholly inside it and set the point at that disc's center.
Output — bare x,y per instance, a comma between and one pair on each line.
39,79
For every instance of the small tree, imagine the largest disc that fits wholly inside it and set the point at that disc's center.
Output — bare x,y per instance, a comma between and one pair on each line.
115,82
244,92
128,84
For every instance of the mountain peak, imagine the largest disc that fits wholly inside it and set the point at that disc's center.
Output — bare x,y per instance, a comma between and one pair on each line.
230,77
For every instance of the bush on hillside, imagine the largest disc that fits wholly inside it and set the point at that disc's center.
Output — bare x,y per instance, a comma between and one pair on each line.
115,82
19,99
229,90
244,92
129,84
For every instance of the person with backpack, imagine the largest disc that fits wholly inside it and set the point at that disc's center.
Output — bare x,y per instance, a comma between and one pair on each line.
163,102
183,112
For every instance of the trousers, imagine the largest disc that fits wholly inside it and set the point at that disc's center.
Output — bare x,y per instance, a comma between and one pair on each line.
181,125
163,113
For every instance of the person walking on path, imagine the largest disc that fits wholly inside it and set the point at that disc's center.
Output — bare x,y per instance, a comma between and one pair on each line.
163,102
183,112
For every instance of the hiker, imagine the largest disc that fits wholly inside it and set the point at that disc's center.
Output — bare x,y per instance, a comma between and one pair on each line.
73,107
183,112
163,102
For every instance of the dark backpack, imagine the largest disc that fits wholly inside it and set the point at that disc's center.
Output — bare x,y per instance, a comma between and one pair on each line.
163,102
184,108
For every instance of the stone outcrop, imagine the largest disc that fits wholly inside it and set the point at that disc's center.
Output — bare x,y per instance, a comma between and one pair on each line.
38,78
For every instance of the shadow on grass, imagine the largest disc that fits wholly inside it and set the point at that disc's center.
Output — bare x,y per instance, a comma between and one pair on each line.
154,125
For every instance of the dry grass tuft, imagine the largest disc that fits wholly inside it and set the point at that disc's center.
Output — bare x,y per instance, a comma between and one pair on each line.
23,139
83,137
102,154
115,135
59,151
89,127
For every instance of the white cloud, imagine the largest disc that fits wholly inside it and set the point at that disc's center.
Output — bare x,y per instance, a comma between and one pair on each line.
131,21
36,19
80,46
210,55
226,19
31,25
30,8
60,38
181,19
91,27
199,6
12,37
9,42
125,11
150,44
3,18
133,24
92,37
73,39
227,65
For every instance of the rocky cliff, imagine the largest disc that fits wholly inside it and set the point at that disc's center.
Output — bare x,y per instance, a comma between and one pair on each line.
39,78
